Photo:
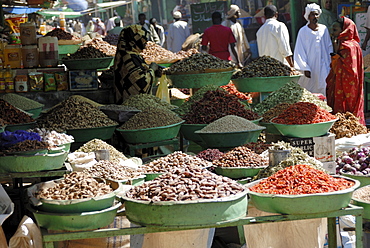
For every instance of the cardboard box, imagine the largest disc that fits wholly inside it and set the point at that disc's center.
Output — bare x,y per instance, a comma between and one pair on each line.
83,80
321,148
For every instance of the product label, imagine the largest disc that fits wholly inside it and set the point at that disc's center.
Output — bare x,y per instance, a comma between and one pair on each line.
26,31
2,84
30,57
9,84
13,56
21,86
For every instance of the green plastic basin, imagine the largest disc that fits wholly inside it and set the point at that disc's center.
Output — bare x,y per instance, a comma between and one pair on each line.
231,139
29,153
75,221
87,134
72,206
36,112
134,181
257,121
65,49
183,213
364,180
87,64
151,176
200,79
188,130
32,163
153,134
2,129
302,204
358,202
270,128
238,172
304,130
263,84
66,147
22,126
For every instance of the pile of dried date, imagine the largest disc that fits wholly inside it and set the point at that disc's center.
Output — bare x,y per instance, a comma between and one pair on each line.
240,157
185,184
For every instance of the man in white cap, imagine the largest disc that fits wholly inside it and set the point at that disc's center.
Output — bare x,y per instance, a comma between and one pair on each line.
273,38
312,52
241,45
177,33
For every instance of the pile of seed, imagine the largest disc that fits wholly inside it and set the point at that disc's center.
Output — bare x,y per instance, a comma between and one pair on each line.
264,66
186,184
198,62
347,125
217,104
275,111
60,34
74,113
297,156
290,93
258,147
229,123
86,53
11,115
27,145
143,101
112,171
53,138
119,107
76,185
175,159
240,157
97,144
362,194
78,98
111,39
21,102
102,45
210,154
151,117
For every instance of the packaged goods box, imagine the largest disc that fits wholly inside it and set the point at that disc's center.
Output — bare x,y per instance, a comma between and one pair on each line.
83,80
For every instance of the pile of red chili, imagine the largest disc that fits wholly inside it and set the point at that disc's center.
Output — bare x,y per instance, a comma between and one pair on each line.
303,113
216,104
230,87
300,179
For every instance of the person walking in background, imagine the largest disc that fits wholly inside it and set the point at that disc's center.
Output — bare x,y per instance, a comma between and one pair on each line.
217,38
117,29
153,36
242,45
312,52
111,21
159,29
99,27
345,81
327,17
273,38
90,27
367,27
177,33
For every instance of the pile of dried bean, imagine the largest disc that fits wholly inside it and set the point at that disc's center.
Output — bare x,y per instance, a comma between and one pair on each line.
60,34
103,46
175,159
240,157
210,154
229,123
21,102
186,184
143,101
258,147
303,113
11,115
230,87
86,53
347,125
97,144
362,194
275,111
300,179
217,104
76,185
290,93
27,145
112,171
151,117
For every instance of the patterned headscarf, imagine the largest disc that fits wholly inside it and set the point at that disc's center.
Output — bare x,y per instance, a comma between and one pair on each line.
311,7
349,31
133,39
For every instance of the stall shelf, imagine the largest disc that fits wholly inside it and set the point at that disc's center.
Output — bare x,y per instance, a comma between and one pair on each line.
49,238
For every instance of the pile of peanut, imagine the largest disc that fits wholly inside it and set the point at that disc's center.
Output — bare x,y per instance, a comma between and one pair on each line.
185,184
113,171
240,157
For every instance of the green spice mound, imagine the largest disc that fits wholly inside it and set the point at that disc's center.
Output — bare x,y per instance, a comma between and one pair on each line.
143,101
21,102
229,123
290,93
151,117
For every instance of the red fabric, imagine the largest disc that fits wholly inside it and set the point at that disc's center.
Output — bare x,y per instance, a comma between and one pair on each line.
218,37
345,81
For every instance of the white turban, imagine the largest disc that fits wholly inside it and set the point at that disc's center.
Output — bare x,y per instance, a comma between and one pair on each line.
311,7
233,9
177,15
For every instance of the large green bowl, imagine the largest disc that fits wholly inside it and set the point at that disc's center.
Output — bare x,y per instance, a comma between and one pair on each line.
75,221
358,202
87,134
183,213
188,130
238,172
32,163
200,79
270,128
302,204
87,64
153,134
304,130
22,126
364,180
263,84
230,139
72,206
36,112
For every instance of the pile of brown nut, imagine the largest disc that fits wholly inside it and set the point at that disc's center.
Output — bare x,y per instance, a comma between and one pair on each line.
102,45
186,184
240,157
175,159
76,185
347,125
112,171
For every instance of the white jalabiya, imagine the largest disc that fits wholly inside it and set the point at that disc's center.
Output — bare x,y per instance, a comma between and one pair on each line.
312,53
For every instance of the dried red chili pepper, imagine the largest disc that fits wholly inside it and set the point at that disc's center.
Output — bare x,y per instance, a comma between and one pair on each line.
230,87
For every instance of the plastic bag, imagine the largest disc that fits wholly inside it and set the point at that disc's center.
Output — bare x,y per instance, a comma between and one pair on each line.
162,91
28,235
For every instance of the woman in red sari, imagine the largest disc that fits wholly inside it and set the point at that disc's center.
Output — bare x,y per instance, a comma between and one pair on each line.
344,84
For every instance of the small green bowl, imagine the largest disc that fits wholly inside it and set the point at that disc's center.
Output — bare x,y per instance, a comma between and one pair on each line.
270,128
263,84
36,112
238,172
22,126
87,134
362,203
199,80
188,130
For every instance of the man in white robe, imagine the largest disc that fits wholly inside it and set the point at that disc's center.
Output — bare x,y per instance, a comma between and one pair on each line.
312,52
177,33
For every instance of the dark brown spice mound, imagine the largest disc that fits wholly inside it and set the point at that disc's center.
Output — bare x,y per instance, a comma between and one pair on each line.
12,115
